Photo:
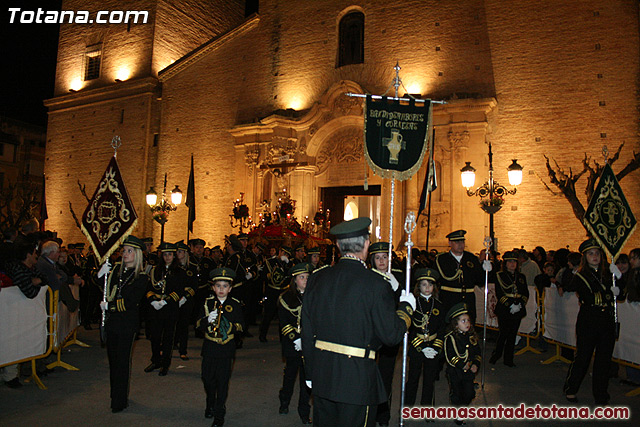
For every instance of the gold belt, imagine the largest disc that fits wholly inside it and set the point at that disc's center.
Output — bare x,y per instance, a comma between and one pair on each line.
347,350
459,290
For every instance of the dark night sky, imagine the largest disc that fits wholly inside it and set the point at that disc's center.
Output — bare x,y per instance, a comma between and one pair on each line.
28,53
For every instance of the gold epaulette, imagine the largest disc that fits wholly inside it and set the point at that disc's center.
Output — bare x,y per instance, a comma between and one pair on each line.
174,296
190,291
319,268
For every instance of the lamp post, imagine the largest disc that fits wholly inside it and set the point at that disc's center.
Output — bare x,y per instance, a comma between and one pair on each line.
491,193
161,208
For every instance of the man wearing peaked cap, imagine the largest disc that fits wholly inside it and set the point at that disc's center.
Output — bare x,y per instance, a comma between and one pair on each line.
202,266
276,282
460,272
347,313
242,262
186,303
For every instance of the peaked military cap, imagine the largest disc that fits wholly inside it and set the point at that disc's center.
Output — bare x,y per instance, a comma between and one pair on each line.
286,249
216,248
147,239
167,247
195,242
379,248
243,236
314,250
222,273
261,246
455,311
427,274
182,245
300,247
235,243
353,228
303,267
510,256
457,235
588,244
71,246
134,242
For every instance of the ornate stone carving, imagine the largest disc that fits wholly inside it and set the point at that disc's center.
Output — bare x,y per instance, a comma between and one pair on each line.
458,139
251,157
343,147
345,104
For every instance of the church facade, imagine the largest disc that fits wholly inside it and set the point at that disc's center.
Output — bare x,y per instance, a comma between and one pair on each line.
257,93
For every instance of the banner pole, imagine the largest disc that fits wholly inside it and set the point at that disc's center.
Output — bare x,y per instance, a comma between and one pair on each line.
409,227
487,246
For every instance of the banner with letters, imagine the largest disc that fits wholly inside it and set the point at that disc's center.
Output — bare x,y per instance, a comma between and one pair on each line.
396,136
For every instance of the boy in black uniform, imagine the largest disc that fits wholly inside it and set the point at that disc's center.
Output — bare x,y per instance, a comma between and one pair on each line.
289,310
220,319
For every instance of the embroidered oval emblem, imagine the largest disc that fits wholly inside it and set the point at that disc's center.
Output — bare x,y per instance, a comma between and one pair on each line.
228,308
435,311
473,340
469,264
189,273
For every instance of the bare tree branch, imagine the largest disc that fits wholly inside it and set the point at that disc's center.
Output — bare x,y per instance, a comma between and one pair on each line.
75,218
84,191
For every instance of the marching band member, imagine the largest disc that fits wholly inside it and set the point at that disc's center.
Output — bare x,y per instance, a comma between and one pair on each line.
277,268
289,310
125,288
220,319
186,302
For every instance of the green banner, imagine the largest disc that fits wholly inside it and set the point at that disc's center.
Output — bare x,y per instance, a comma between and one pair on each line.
396,136
609,218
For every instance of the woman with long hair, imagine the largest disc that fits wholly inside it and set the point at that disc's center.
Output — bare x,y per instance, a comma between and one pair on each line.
595,327
125,288
512,295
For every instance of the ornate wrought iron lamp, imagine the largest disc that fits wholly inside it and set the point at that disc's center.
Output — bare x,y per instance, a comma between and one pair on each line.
161,208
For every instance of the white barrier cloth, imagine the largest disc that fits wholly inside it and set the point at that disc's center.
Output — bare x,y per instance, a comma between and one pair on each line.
23,325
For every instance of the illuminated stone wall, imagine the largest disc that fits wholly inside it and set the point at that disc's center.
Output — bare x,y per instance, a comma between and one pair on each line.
528,76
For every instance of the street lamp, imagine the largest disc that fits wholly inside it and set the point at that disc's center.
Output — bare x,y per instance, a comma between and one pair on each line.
161,208
491,193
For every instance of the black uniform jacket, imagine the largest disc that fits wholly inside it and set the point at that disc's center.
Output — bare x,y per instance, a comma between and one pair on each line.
202,267
594,295
460,348
219,336
427,326
289,310
168,285
349,305
191,280
277,273
467,274
124,293
511,289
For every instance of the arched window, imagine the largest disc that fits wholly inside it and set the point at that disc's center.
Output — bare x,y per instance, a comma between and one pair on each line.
351,39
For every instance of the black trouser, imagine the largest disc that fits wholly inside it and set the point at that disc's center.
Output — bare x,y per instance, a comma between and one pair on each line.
595,330
89,303
449,299
508,325
461,389
270,310
429,368
294,366
327,413
119,348
182,327
386,365
215,376
162,324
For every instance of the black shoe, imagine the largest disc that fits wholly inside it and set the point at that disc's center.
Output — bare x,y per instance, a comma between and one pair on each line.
163,372
510,364
263,339
306,420
493,359
14,383
208,413
284,409
572,399
184,357
460,422
151,367
218,422
117,409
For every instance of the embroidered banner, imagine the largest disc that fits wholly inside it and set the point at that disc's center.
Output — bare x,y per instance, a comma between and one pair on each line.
110,216
609,218
396,136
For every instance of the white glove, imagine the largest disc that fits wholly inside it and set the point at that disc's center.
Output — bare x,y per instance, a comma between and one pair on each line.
514,308
248,276
308,383
212,316
106,267
615,271
157,305
182,301
284,258
297,344
404,297
163,303
104,305
429,352
615,290
486,265
394,282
